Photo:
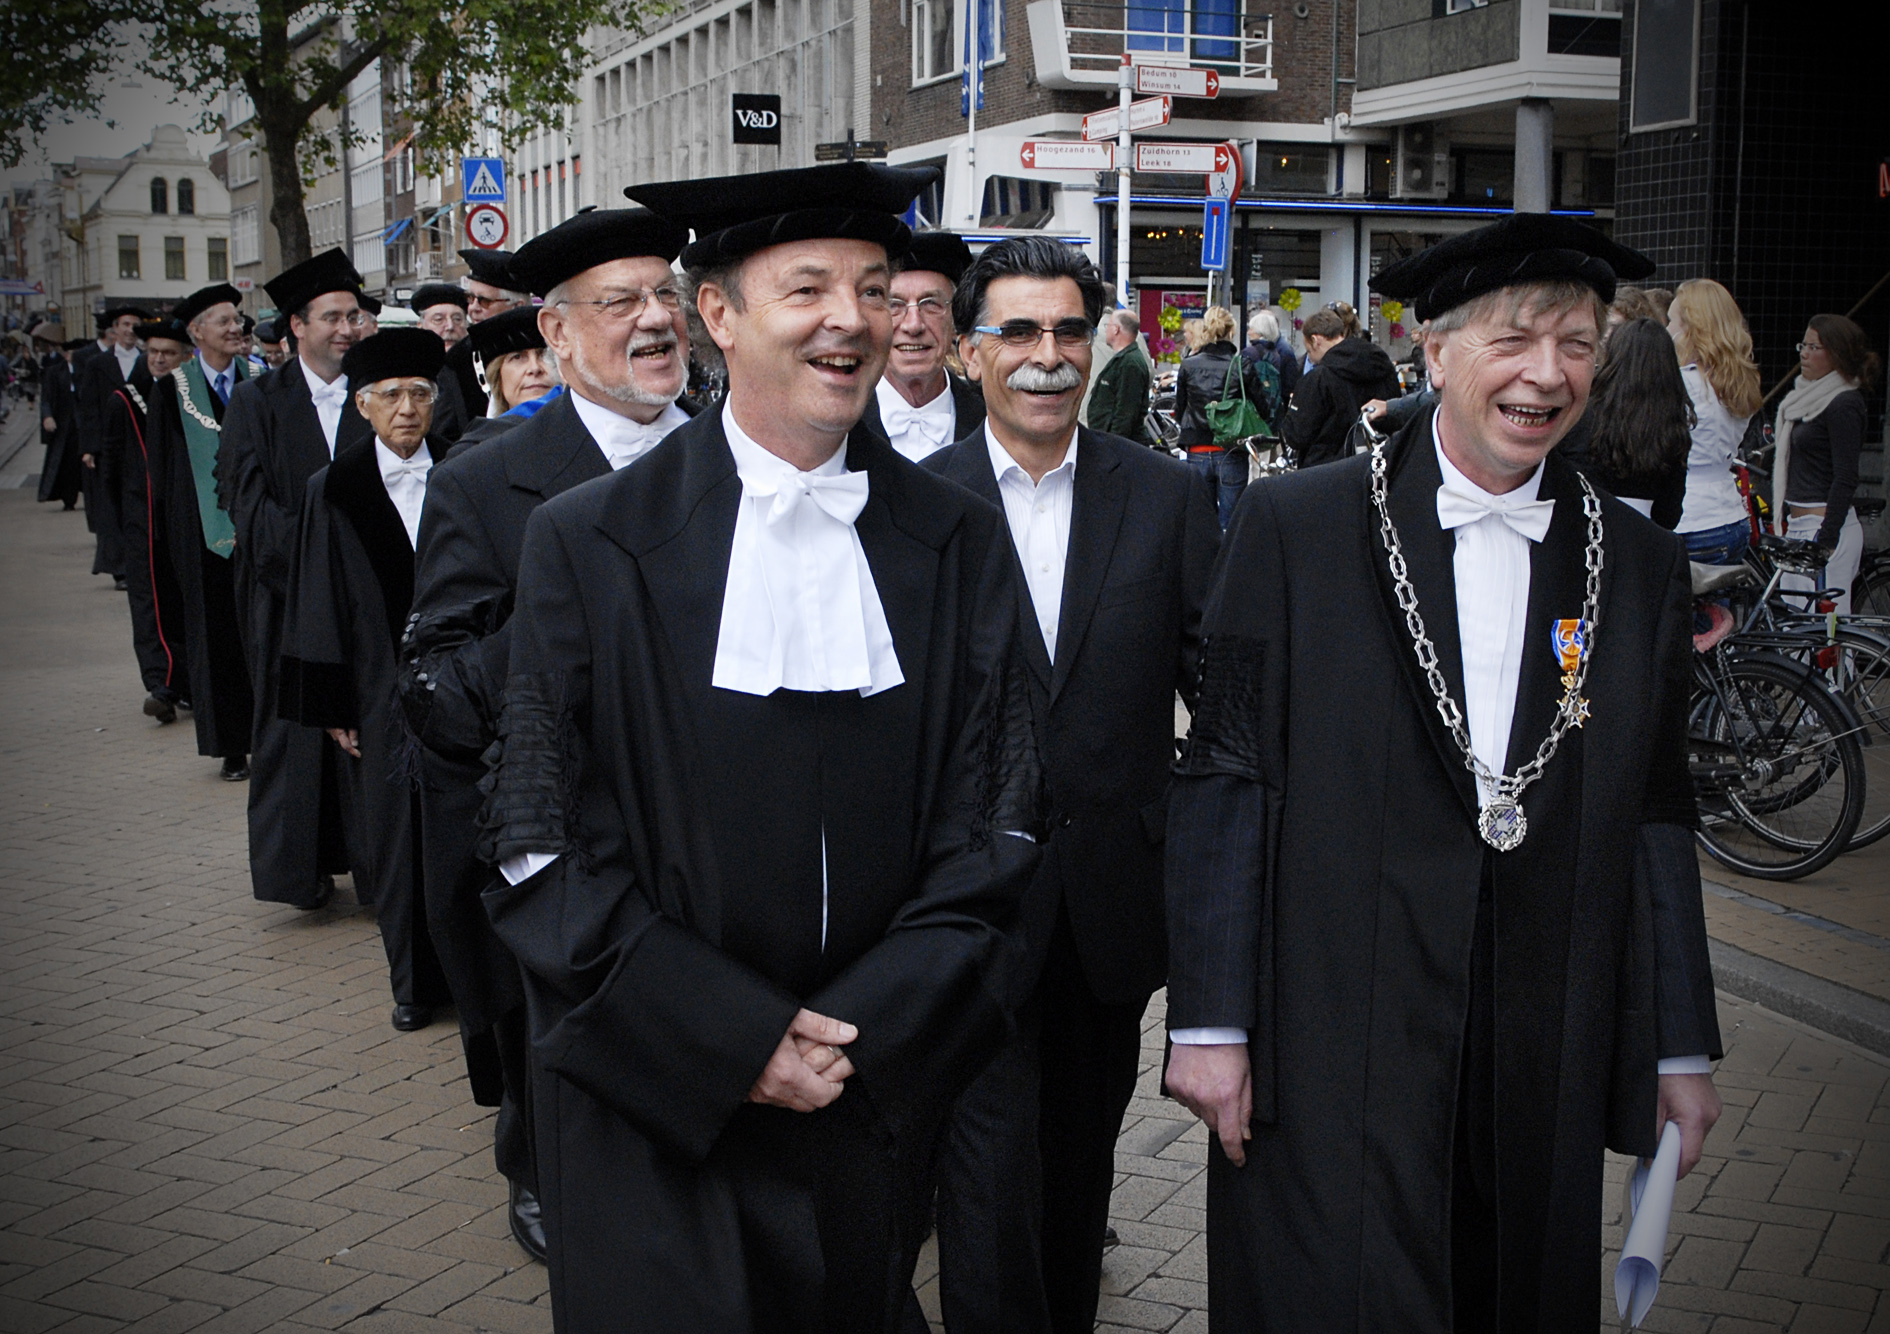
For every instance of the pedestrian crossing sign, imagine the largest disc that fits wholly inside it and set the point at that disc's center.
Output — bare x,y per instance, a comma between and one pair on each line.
483,179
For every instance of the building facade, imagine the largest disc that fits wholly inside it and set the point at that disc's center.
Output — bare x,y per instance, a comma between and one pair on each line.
145,229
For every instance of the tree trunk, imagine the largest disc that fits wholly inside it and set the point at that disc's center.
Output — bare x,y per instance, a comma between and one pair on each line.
286,213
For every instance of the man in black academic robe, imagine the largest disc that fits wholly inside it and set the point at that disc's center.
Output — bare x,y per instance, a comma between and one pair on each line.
95,383
350,588
183,444
746,879
909,405
617,407
151,588
1416,1033
1110,632
60,475
275,439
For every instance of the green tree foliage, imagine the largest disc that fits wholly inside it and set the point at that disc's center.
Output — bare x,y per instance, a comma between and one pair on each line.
54,57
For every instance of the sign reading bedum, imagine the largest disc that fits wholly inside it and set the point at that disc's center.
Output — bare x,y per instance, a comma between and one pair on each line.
757,118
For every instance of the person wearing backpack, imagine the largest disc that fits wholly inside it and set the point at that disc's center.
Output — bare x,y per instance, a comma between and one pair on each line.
1208,379
1347,373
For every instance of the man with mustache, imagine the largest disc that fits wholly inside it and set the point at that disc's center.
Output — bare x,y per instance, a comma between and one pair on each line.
771,667
919,404
1116,543
613,318
1434,910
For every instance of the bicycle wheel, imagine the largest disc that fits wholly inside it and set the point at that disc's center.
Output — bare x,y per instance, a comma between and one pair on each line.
1777,770
1862,676
1870,595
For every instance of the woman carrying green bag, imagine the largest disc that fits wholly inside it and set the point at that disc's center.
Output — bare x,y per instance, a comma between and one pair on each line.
1220,399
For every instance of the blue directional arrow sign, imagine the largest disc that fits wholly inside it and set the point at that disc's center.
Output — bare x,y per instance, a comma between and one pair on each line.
482,179
1214,235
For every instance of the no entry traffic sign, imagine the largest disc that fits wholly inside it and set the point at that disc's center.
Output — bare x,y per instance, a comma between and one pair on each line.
486,226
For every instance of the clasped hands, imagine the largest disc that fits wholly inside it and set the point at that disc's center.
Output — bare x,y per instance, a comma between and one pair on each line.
808,1070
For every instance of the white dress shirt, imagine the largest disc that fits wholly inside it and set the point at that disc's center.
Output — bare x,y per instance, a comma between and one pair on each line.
127,358
622,439
406,483
917,432
1039,515
1491,565
330,396
800,610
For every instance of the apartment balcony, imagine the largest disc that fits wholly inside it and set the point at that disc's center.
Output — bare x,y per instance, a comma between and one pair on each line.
1079,44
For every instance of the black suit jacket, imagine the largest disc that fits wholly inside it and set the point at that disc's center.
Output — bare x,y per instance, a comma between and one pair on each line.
967,406
95,381
1143,536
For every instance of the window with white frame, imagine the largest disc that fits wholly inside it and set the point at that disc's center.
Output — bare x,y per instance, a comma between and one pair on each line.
246,234
245,163
941,41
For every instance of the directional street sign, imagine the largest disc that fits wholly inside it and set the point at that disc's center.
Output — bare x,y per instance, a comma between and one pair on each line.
483,179
1184,159
1144,115
1066,155
1180,80
1214,235
486,226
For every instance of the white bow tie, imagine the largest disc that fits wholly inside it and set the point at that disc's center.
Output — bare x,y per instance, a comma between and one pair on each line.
840,496
1530,518
413,467
335,390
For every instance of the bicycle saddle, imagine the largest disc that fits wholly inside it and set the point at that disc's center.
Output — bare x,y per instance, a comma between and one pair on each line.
1717,578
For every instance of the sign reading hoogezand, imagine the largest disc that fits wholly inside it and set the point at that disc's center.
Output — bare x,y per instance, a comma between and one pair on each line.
1183,159
1066,155
1178,80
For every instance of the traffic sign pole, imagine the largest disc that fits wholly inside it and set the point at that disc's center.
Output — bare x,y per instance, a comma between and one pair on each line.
1125,80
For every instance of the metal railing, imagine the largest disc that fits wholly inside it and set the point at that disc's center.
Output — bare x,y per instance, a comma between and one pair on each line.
1224,35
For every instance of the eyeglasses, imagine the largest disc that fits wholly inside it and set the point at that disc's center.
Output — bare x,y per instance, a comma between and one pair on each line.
1809,347
420,395
354,319
930,307
633,303
1028,333
453,320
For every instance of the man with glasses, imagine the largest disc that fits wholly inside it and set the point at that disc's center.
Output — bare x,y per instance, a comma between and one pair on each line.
442,308
284,427
613,318
919,404
350,586
1116,543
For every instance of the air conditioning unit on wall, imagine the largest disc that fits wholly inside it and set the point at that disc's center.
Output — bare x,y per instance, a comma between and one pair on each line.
1421,166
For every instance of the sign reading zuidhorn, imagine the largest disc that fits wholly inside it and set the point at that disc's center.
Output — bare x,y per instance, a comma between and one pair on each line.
757,118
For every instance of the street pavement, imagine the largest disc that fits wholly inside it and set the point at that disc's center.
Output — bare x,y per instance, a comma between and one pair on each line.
207,1122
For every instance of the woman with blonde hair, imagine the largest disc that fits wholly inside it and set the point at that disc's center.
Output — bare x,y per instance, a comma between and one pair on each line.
1203,380
1722,379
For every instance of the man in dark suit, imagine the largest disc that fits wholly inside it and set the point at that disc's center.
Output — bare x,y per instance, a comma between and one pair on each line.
1115,543
60,476
613,317
1119,403
281,429
919,405
1423,971
96,381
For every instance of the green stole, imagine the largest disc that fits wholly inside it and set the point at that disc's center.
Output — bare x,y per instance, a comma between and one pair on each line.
202,434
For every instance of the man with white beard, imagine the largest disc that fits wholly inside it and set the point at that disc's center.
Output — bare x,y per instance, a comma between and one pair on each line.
612,316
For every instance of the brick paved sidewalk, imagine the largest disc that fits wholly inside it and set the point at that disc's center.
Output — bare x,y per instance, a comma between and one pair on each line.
207,1123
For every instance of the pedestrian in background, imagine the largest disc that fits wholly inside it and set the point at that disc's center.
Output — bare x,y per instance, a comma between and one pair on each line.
1347,372
60,474
491,289
1204,380
1118,402
1716,365
1265,344
1639,417
1820,433
509,351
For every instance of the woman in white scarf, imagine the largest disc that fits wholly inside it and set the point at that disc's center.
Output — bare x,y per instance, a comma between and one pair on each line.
1820,432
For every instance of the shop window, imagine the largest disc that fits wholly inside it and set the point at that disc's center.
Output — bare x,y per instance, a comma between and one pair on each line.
1289,169
1485,176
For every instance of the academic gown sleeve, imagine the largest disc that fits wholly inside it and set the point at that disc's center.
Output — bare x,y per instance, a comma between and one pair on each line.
317,685
458,642
265,530
661,1024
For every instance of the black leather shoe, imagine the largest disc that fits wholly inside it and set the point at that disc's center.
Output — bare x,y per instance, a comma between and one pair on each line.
1110,1239
118,583
235,769
156,706
528,1222
324,891
408,1018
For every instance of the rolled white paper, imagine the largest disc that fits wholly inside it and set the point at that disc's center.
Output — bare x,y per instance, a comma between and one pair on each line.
1649,1207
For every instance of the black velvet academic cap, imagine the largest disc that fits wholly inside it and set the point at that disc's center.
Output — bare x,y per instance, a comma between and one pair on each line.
202,299
514,330
588,239
939,252
74,344
394,354
491,267
169,327
1522,248
734,216
269,331
428,295
330,271
368,302
109,316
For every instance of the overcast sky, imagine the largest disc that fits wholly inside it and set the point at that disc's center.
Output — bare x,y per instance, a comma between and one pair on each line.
133,111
